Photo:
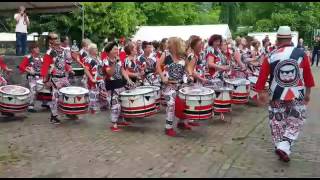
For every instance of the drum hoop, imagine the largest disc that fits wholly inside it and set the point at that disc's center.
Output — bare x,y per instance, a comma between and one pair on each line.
206,94
138,94
231,82
24,94
79,94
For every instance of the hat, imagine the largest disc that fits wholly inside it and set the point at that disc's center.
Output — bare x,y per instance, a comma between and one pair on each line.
284,32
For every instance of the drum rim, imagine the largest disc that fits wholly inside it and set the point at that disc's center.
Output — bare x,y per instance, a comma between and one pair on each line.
206,94
24,94
231,82
86,90
154,87
141,93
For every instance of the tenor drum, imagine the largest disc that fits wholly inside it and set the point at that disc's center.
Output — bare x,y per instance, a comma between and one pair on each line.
222,102
198,102
253,91
73,100
14,99
138,103
241,90
157,95
43,93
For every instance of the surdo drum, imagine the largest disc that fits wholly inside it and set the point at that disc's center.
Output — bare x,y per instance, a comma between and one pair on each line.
43,93
253,92
241,89
14,99
157,95
222,102
198,102
138,103
73,100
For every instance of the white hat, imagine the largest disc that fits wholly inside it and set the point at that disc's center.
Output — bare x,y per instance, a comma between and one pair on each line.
284,32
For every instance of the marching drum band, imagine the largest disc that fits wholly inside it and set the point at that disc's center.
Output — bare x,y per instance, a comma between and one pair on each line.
191,79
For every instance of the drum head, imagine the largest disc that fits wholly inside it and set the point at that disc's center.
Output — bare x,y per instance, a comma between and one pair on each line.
74,90
223,89
136,91
196,91
238,81
14,90
155,88
253,79
40,81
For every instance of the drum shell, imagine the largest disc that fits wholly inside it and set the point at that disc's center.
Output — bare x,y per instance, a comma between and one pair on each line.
73,104
222,103
138,106
14,103
253,91
240,93
198,107
43,93
157,95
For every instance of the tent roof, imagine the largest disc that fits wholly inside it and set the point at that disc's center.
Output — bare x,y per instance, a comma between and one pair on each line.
39,7
150,33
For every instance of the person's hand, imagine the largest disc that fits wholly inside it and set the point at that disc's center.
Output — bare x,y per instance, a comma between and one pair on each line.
72,72
93,80
204,80
306,98
225,68
30,70
47,84
263,98
165,80
9,70
130,83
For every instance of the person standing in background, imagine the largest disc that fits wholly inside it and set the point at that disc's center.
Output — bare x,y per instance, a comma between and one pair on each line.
316,48
23,22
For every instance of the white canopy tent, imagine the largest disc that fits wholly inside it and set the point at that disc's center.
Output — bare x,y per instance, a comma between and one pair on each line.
150,33
273,36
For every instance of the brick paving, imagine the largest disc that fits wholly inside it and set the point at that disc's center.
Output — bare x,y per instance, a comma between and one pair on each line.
31,147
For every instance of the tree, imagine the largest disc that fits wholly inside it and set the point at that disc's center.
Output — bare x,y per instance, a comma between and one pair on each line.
228,14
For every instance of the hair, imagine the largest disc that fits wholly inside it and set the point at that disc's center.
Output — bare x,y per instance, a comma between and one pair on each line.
128,48
162,43
33,45
238,41
194,41
179,45
249,39
110,46
64,38
214,38
283,40
145,44
92,46
155,44
254,43
85,42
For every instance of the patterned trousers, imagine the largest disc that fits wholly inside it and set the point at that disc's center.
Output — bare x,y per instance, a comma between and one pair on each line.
98,97
57,83
114,101
286,120
32,82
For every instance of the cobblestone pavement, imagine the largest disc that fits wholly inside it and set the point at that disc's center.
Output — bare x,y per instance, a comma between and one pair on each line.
31,147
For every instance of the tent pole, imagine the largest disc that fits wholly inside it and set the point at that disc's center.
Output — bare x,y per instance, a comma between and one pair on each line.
82,21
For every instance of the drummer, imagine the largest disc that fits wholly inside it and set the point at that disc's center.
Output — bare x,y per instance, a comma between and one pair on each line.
4,69
31,65
132,65
53,72
174,59
115,82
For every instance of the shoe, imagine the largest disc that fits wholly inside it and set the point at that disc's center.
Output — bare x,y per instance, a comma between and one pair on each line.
93,111
45,106
193,123
282,155
124,123
184,126
115,129
171,132
72,116
8,114
32,110
54,120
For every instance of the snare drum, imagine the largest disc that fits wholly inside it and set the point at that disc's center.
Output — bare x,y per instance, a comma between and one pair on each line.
198,102
73,100
241,90
14,99
157,95
253,93
138,103
222,102
43,93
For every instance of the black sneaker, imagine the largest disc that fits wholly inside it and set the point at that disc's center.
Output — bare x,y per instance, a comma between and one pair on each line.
54,120
45,106
32,110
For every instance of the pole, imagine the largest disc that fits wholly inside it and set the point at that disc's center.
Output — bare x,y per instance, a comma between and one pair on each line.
82,21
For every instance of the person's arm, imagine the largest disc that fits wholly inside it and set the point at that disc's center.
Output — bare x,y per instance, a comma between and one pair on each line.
47,61
23,65
307,77
212,64
17,17
159,63
237,58
110,68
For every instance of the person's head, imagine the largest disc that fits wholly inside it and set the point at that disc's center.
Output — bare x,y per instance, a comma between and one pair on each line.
147,47
163,44
65,41
255,44
176,46
196,44
139,44
85,43
22,9
238,41
34,49
130,49
301,41
56,44
52,37
215,41
224,46
155,45
122,41
93,49
284,36
112,49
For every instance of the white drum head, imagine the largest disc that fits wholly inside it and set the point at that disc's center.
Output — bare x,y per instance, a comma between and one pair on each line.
14,90
223,89
155,88
40,81
74,90
239,81
194,91
253,79
136,91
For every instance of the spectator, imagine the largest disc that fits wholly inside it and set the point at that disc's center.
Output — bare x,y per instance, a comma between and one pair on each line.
300,44
22,23
315,52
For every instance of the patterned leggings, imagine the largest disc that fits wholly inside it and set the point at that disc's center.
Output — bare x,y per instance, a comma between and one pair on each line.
57,83
98,97
115,104
32,81
286,120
